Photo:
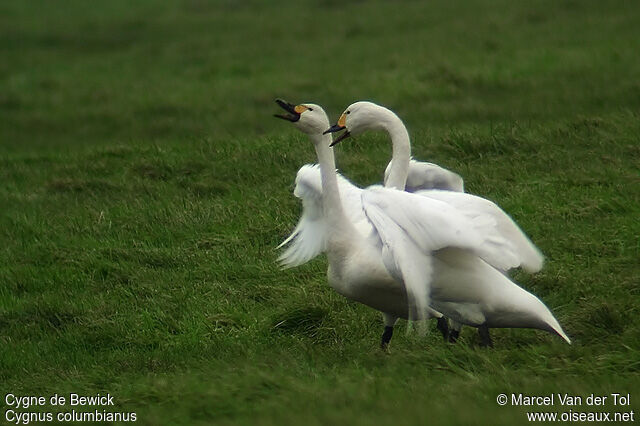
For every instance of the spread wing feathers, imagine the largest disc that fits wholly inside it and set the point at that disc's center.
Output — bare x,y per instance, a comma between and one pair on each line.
529,257
308,239
405,262
423,175
432,225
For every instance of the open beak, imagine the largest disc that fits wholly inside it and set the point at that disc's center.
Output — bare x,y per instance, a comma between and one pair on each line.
337,128
292,115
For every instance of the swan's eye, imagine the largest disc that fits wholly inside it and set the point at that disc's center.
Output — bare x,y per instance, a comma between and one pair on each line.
310,109
348,112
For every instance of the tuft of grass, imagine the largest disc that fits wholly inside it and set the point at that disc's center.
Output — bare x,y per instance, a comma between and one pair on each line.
304,320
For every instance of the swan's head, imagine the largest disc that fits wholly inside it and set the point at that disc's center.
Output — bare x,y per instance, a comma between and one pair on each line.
360,117
308,118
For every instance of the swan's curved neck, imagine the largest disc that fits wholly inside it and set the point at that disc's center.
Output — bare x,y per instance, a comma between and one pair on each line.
333,211
401,154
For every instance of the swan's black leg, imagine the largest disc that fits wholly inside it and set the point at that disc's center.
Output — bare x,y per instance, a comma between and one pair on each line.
386,336
389,322
443,326
485,338
454,331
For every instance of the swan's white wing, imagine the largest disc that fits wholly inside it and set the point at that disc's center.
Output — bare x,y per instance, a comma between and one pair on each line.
411,227
308,239
529,257
404,261
434,181
423,175
433,224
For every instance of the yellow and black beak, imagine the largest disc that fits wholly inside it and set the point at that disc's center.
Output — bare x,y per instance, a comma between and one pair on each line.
293,110
341,125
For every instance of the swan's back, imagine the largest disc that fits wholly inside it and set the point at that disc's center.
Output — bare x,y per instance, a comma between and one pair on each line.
423,175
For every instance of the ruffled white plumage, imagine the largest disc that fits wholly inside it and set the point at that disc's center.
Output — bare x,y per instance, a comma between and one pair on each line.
309,238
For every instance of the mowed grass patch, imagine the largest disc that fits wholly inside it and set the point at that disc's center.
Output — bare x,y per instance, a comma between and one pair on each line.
145,187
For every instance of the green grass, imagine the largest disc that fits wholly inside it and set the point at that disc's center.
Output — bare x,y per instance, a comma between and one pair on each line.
145,186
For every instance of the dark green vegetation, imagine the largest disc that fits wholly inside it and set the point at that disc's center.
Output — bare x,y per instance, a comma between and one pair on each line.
145,186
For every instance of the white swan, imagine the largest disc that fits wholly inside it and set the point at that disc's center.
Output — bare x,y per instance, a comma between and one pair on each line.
421,175
308,238
417,252
413,176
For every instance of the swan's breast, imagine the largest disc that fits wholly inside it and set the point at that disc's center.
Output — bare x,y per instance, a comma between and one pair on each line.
362,277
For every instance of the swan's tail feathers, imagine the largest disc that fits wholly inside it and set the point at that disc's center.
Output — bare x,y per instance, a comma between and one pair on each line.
557,329
563,335
546,321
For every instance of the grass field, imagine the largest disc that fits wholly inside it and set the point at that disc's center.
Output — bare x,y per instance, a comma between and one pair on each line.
145,187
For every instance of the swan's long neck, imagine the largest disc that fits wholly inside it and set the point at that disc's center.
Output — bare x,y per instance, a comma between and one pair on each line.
333,211
401,154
